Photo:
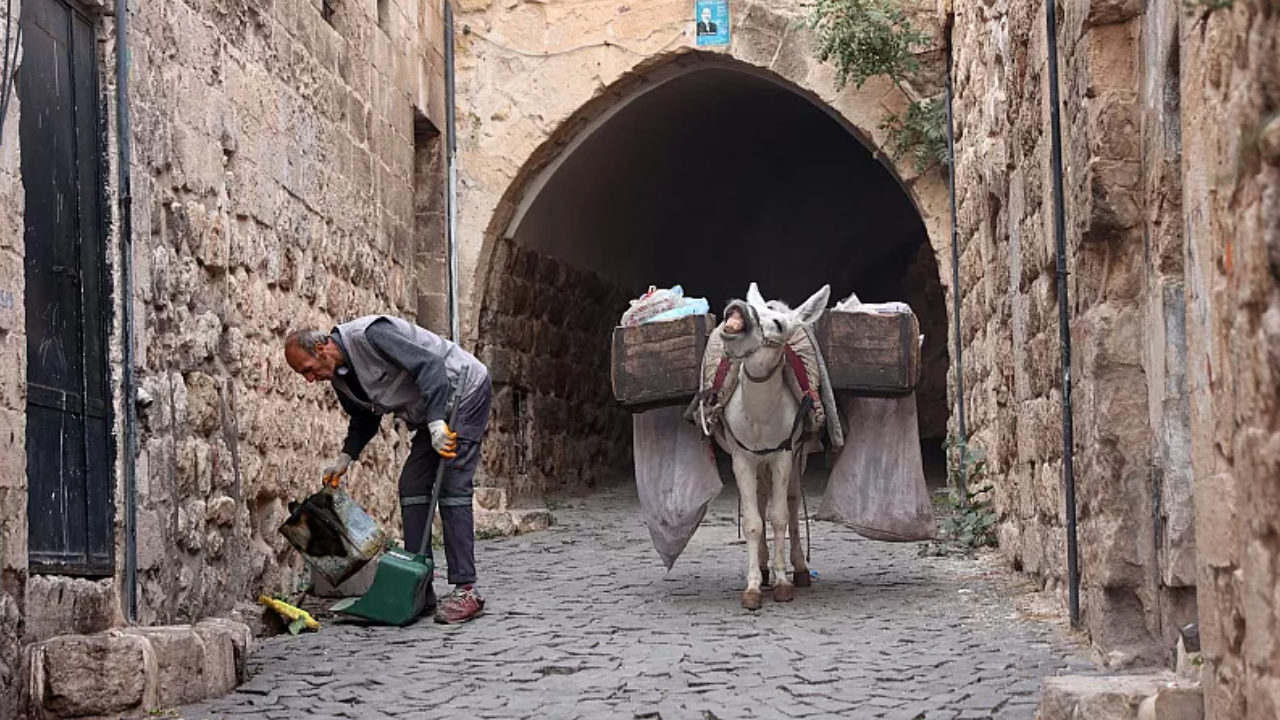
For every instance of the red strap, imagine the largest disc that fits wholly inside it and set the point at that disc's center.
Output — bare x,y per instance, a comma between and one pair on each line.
722,372
797,369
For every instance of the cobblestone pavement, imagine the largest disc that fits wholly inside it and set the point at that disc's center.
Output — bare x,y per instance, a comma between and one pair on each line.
583,621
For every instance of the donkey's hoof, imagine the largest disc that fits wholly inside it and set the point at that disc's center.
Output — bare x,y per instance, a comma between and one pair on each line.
751,599
801,578
784,593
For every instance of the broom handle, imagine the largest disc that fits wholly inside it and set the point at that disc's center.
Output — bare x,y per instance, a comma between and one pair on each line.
454,402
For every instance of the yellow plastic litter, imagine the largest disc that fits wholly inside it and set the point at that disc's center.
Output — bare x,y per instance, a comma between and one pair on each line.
297,616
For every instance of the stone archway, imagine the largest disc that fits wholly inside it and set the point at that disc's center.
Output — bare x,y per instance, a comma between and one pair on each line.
601,210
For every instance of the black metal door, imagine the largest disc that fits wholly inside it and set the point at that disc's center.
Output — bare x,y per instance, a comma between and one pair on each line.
69,504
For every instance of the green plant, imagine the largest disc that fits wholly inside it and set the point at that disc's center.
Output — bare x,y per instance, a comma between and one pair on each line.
1195,7
921,132
972,523
870,38
968,516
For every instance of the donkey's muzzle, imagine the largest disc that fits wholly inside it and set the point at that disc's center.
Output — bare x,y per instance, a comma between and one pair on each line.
738,319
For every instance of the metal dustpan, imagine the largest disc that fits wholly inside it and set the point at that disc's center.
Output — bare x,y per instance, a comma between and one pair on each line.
334,534
402,583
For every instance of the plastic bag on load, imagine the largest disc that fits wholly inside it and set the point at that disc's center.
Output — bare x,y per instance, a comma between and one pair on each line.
691,306
877,487
676,478
654,302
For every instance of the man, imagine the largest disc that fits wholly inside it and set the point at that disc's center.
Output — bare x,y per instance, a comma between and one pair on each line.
380,364
705,26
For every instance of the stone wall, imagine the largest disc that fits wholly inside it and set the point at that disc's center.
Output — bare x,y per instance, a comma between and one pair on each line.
1121,160
285,172
1231,161
13,350
274,182
545,335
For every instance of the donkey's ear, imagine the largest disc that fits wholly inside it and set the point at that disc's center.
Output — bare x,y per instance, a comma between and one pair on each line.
811,310
754,297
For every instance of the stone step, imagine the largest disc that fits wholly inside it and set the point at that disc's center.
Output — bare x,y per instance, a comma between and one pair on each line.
134,670
1155,696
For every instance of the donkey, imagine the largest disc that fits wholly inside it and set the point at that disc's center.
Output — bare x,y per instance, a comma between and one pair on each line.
760,430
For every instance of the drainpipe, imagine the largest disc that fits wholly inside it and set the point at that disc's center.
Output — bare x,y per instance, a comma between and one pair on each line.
955,282
1064,321
126,280
451,160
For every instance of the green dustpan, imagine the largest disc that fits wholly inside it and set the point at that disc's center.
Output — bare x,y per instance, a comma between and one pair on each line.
402,582
399,591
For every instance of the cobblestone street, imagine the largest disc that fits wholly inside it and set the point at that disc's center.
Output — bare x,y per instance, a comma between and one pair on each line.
583,622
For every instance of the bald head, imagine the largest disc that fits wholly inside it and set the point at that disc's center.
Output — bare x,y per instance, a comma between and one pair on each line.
312,354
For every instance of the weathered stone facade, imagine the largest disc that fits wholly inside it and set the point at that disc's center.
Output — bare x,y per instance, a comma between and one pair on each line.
1231,163
13,345
287,169
275,192
1128,371
545,336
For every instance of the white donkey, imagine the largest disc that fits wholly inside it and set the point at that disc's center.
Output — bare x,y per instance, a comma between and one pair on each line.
760,430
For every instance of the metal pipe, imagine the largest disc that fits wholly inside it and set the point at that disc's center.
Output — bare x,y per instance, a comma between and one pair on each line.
1064,321
6,78
955,287
126,281
451,161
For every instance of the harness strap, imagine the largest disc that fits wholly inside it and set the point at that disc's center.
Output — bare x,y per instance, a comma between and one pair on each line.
722,372
802,375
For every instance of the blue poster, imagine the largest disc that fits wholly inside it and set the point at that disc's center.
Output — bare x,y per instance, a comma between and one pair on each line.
713,22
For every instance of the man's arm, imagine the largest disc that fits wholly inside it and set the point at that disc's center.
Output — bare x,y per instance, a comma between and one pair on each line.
428,370
361,428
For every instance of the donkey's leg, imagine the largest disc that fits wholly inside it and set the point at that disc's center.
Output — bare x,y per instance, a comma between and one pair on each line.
801,577
762,499
744,470
780,471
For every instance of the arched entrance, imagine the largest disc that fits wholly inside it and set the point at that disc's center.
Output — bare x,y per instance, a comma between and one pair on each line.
709,173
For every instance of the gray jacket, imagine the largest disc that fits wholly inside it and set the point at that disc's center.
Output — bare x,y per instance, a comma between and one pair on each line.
414,383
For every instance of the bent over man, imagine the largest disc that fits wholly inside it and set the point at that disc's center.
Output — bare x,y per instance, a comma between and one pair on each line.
380,364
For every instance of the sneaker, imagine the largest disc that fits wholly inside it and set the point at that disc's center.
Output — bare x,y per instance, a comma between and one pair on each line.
460,606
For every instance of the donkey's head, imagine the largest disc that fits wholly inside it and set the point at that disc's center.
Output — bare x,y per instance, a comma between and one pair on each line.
755,323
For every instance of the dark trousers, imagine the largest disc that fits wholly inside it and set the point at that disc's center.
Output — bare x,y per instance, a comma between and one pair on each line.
456,489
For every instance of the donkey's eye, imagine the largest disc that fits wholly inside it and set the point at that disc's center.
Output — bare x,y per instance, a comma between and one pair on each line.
777,324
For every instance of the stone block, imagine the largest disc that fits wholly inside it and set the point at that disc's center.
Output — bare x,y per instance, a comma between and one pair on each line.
1115,697
528,521
1179,702
180,661
240,638
494,524
1104,12
491,498
65,605
1217,525
92,675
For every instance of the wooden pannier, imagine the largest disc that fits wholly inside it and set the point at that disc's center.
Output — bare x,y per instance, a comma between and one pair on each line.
659,364
870,354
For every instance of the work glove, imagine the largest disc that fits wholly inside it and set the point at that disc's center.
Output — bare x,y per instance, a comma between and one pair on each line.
334,472
444,440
